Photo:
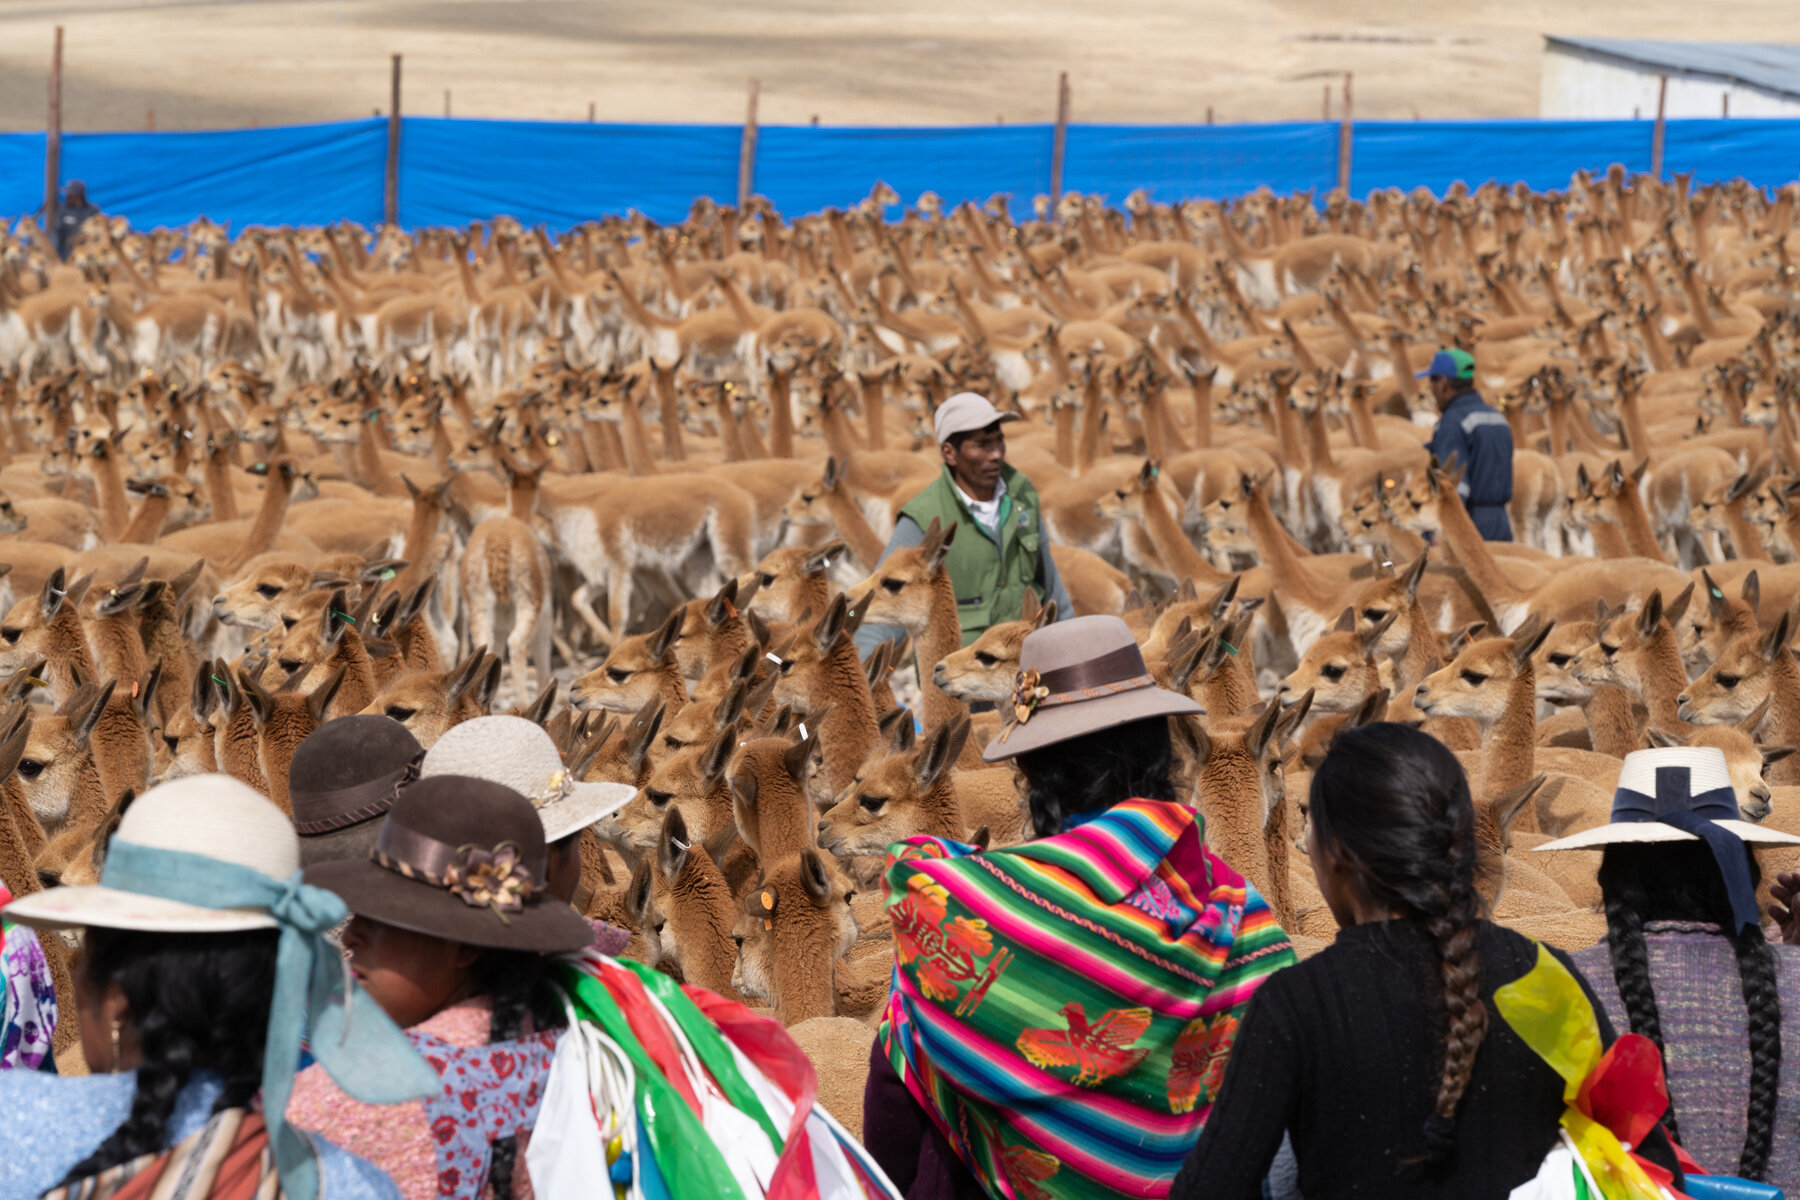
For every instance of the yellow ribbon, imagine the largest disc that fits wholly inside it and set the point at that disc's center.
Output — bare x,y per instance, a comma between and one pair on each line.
1548,1010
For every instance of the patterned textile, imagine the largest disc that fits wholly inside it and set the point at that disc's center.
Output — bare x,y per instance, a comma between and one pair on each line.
439,1148
1064,1009
27,996
229,1159
490,1092
1706,1038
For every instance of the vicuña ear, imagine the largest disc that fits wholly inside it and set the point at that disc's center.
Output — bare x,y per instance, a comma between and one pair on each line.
813,877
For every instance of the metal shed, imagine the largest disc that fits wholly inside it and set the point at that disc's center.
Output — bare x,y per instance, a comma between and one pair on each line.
1618,78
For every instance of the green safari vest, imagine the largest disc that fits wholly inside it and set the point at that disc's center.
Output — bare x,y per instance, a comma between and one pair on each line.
990,579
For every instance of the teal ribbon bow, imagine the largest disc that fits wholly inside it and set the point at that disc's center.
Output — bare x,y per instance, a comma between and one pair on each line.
363,1051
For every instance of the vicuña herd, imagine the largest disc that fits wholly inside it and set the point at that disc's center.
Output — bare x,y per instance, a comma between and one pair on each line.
253,482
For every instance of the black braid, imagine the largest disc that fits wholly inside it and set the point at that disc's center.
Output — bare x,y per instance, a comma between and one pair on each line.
1631,972
1756,968
1393,805
523,1000
198,1002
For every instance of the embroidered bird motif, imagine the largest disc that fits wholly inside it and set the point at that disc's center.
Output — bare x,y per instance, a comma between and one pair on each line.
1197,1066
1100,1050
1027,1168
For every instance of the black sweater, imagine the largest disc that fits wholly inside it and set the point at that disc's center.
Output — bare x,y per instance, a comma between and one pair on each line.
1343,1052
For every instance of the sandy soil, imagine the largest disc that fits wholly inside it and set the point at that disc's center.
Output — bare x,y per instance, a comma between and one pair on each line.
234,62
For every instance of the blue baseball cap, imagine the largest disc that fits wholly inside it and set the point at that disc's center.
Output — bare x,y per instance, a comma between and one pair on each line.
1449,364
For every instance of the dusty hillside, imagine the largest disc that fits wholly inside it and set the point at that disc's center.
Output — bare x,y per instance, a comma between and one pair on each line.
847,61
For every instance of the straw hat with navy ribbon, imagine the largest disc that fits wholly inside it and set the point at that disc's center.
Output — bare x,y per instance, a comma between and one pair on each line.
1079,676
206,854
1680,794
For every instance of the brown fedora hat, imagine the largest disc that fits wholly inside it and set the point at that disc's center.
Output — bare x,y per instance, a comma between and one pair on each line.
343,779
462,859
1075,677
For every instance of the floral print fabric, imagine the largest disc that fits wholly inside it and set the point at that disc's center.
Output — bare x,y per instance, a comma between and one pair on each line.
27,997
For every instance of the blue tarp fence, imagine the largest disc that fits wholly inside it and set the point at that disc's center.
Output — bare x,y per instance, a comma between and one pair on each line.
455,171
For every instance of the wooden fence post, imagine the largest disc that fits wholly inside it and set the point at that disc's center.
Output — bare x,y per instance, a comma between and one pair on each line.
1060,143
391,201
1656,135
53,140
1344,140
747,150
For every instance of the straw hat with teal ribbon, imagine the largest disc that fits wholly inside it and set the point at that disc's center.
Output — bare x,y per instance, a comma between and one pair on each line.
206,854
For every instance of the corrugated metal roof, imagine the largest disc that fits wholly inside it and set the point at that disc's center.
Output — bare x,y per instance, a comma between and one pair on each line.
1763,65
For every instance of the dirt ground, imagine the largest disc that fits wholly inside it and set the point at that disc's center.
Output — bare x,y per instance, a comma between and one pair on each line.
845,62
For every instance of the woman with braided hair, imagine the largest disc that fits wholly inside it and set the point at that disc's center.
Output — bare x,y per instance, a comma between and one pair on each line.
454,929
203,955
1686,965
1380,1057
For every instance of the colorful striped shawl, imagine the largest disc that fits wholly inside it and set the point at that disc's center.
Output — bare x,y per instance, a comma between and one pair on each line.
1063,1009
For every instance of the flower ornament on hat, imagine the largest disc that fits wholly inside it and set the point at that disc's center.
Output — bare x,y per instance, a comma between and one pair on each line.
206,854
1684,793
517,753
1080,676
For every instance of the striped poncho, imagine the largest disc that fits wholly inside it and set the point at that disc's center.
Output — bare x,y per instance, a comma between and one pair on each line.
1063,1009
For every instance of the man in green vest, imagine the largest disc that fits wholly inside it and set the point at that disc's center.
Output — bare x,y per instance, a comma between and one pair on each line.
1001,547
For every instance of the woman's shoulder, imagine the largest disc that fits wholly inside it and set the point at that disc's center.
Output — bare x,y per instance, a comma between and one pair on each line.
53,1122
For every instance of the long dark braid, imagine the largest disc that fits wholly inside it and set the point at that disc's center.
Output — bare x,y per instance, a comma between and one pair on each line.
1631,972
523,1002
198,1002
1393,804
1756,970
1688,887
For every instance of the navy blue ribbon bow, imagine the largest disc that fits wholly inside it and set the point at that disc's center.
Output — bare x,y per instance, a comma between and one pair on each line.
1675,805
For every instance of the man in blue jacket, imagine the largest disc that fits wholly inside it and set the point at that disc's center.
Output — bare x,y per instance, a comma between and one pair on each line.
1473,433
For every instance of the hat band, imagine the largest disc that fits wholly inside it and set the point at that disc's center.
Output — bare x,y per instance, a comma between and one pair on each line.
360,802
1092,679
1120,670
496,879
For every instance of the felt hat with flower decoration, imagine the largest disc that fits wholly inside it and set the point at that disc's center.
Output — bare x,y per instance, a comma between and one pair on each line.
463,859
1079,676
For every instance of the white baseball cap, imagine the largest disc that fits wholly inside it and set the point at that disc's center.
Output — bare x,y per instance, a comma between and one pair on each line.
966,412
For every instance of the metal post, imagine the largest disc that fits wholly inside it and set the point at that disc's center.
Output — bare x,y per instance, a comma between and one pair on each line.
747,151
1325,112
53,139
1059,145
591,112
1344,139
1656,136
1724,104
391,204
1209,115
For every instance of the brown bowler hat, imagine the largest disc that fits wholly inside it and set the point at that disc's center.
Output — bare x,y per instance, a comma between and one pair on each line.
1075,677
343,779
462,859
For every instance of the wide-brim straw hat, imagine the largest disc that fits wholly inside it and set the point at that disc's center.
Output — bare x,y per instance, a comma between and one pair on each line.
1076,677
343,779
214,816
463,859
1649,782
518,754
